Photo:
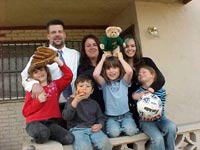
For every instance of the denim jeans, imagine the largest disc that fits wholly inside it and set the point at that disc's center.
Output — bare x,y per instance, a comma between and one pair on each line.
123,124
162,133
85,139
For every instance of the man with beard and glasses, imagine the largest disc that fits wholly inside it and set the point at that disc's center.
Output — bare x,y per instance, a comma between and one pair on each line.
56,36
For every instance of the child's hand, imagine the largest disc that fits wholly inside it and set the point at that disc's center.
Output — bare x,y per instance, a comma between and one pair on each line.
137,96
152,119
96,127
105,55
58,61
157,117
120,55
42,97
37,89
78,97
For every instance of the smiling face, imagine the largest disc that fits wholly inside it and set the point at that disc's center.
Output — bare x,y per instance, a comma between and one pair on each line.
145,75
113,73
91,49
112,69
130,49
56,36
40,75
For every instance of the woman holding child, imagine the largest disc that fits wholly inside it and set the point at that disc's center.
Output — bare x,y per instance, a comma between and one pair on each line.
133,55
89,58
162,131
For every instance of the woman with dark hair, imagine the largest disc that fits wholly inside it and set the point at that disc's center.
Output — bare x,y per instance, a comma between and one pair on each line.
133,55
90,56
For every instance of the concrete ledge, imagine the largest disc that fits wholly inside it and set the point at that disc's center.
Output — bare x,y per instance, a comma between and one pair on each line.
138,140
50,145
120,140
53,145
187,127
128,139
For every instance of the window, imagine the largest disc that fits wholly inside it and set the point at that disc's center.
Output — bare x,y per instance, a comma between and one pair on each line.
13,59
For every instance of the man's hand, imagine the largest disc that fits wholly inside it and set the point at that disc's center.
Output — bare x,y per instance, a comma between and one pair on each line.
37,89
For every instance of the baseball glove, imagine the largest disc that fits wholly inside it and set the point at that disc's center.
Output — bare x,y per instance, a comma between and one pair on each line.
43,56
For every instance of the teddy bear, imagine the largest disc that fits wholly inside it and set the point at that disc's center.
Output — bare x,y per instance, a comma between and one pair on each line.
111,42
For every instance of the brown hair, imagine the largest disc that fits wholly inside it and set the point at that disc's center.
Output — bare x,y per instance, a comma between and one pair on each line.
137,59
34,68
151,70
84,78
84,60
109,62
54,22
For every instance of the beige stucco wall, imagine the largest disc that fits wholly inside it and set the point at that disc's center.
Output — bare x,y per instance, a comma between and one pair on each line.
176,52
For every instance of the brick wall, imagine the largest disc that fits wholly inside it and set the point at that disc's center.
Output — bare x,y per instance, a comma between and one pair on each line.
24,35
12,125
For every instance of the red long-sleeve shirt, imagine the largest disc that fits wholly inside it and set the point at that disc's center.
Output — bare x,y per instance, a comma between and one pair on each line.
34,110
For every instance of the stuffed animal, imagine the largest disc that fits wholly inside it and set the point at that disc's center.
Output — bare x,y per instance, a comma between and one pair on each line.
111,42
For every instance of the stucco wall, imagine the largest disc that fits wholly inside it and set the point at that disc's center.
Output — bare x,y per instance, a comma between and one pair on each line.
176,51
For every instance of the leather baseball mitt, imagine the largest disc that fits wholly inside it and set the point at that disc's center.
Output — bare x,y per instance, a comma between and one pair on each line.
43,56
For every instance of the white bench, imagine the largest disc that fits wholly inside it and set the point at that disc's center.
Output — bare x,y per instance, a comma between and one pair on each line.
139,140
50,145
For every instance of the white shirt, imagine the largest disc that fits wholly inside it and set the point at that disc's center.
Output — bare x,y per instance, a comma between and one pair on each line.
71,57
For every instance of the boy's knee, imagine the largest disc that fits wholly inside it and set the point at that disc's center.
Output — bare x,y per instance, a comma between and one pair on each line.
105,144
67,139
82,146
157,140
171,129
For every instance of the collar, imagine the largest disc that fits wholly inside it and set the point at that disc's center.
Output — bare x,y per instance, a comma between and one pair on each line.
55,49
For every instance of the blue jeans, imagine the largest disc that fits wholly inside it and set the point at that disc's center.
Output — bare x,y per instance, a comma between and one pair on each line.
162,133
123,124
85,139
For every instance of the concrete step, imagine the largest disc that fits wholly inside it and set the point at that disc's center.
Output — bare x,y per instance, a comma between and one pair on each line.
50,145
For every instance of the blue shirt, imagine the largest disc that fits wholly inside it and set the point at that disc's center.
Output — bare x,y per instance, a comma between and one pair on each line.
115,97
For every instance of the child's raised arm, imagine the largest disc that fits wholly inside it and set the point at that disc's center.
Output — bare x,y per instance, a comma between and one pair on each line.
58,61
127,68
97,71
